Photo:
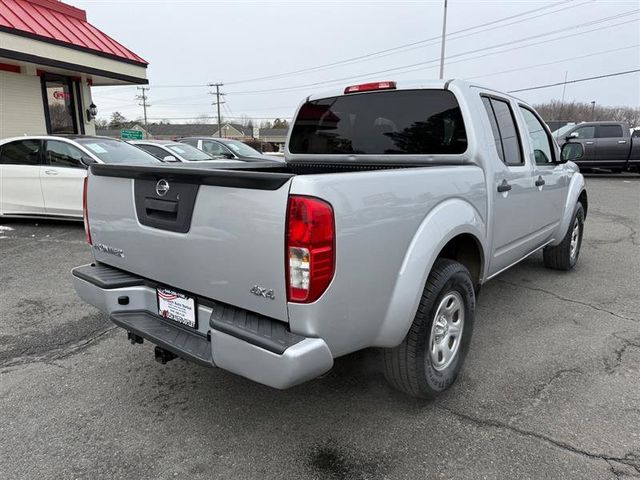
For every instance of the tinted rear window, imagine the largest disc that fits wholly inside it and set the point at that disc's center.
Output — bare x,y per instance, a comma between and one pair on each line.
404,122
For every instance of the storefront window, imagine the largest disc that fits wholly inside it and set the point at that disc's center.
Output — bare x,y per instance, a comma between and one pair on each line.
60,105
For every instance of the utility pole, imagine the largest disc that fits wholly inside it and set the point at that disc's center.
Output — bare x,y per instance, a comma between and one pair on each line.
144,102
217,103
593,109
444,34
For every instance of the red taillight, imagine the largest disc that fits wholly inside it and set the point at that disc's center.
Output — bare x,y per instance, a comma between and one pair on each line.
85,212
310,248
366,87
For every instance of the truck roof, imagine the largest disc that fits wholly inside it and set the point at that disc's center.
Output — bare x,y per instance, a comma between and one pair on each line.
413,85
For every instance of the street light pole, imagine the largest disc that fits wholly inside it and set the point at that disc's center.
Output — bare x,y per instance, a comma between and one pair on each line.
593,109
444,33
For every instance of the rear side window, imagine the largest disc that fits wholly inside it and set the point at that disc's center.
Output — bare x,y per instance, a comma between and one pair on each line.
609,131
503,123
21,152
401,122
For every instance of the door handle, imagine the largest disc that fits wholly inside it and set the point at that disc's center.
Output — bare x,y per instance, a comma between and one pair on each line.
51,172
622,141
540,181
504,187
588,143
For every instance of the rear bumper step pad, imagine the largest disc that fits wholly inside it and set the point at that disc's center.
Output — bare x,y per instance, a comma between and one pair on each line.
188,345
248,344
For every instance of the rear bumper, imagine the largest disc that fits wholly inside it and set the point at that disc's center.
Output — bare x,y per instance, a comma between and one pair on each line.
242,342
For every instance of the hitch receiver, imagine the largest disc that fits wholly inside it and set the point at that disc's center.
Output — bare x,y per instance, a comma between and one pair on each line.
133,338
163,356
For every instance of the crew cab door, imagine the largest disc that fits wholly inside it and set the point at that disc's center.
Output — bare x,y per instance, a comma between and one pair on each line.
511,187
62,179
20,190
550,178
612,147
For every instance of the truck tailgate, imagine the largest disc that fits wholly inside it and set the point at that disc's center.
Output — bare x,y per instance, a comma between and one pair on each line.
214,233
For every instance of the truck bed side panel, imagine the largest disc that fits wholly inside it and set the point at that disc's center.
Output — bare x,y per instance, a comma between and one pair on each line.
377,216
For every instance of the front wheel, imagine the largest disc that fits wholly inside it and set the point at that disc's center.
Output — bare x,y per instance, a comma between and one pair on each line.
430,357
564,256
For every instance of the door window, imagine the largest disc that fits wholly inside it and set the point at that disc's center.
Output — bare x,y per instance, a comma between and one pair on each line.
21,152
609,131
540,141
155,151
504,129
61,154
213,148
585,132
59,100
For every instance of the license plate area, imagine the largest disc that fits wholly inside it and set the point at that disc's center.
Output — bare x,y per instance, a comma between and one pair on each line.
177,307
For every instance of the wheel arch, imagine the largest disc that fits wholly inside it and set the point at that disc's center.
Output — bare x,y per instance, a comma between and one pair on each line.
575,193
447,231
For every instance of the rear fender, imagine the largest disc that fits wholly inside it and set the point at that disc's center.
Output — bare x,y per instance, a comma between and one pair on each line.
447,220
576,187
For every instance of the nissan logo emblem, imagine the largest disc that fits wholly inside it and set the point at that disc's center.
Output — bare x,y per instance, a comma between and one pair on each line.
162,187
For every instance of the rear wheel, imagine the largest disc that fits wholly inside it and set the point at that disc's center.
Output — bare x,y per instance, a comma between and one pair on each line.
565,255
430,357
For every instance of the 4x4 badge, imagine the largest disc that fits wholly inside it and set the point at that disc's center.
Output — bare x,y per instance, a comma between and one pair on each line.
263,292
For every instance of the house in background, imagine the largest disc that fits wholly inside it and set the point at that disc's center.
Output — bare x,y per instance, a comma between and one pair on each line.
50,56
172,131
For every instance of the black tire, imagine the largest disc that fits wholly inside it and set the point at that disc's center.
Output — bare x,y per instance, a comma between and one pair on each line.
410,367
560,257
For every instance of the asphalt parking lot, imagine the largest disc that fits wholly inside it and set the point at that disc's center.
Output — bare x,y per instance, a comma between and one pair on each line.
551,386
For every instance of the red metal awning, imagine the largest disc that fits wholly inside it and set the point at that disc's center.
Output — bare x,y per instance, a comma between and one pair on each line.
57,22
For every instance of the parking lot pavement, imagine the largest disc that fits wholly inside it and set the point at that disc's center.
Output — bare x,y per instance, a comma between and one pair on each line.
549,389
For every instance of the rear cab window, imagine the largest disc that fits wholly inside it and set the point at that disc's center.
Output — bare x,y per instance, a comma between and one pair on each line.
397,122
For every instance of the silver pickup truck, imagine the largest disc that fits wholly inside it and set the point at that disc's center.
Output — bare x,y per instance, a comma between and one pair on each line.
395,204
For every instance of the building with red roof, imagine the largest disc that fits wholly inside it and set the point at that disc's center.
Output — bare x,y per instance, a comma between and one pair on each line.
50,56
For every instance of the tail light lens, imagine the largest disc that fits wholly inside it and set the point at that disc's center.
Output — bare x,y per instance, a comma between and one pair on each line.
85,212
310,248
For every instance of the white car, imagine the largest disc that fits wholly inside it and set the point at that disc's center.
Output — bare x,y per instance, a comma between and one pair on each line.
43,176
169,151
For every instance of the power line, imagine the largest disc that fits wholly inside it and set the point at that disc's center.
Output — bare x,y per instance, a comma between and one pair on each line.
403,67
577,80
554,62
403,46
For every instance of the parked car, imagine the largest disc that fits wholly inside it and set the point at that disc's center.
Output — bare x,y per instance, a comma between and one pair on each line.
607,145
169,151
43,175
230,149
394,206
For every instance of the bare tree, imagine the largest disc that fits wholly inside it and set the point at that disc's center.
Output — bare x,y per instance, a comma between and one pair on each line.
585,112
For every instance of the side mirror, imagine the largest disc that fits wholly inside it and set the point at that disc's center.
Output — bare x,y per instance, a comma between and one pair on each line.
228,155
570,136
87,161
571,152
169,158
